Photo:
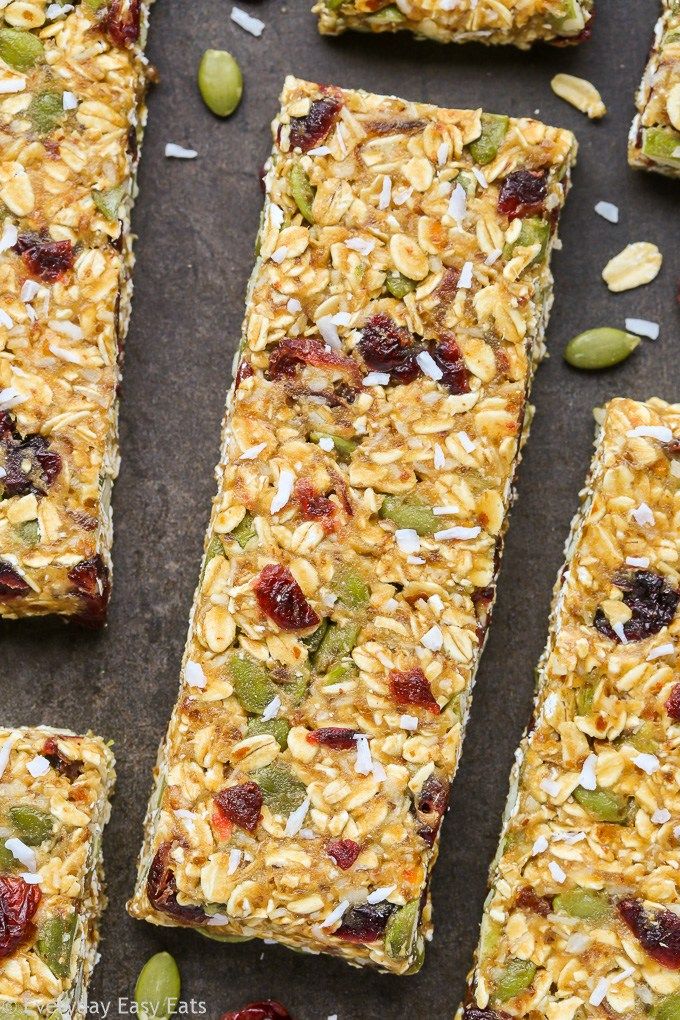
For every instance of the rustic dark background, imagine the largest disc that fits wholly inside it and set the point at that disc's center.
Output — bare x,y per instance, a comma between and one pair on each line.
196,223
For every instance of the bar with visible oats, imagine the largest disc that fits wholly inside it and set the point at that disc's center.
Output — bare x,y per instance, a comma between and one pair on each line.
393,323
654,142
582,918
517,22
72,112
54,804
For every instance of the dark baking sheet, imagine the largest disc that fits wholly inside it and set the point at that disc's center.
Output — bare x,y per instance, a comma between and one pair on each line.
196,223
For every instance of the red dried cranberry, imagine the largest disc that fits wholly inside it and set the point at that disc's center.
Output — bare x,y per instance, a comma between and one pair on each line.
161,889
242,805
305,350
269,1009
411,687
12,584
365,923
673,703
482,600
343,851
308,131
314,506
449,358
528,899
474,1013
18,904
651,599
430,806
48,260
338,737
658,935
523,193
122,26
386,347
281,598
91,581
30,465
70,769
244,371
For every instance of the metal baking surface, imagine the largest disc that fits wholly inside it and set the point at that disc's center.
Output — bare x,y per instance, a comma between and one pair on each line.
196,222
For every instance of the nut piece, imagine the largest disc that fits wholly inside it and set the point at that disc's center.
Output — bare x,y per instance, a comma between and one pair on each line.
673,106
636,265
580,93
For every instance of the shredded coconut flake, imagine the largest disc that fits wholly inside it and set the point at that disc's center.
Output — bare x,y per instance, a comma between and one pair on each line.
284,491
481,179
556,871
429,366
465,279
540,846
38,766
5,751
587,778
457,532
279,255
442,153
599,991
69,101
29,289
444,511
247,21
608,211
293,306
432,639
174,151
9,237
320,150
407,539
272,709
649,763
458,203
378,895
326,443
620,633
252,452
296,818
10,397
643,515
661,816
5,319
660,650
439,458
194,675
466,442
10,85
22,853
364,245
550,786
364,763
329,331
376,379
660,432
336,914
638,561
408,722
385,192
493,256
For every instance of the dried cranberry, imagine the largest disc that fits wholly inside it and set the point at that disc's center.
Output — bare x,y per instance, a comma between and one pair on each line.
673,703
314,506
305,350
411,687
365,923
430,806
474,1013
528,899
523,193
658,935
651,599
91,581
30,465
66,767
338,737
343,851
18,904
449,358
386,347
12,584
122,26
48,260
244,371
281,598
161,889
482,600
308,131
242,805
269,1009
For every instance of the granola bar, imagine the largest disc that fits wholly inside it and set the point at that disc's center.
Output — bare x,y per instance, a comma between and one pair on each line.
393,323
54,804
493,22
72,85
654,142
582,918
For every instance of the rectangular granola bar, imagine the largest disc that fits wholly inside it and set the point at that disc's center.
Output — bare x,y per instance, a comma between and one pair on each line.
654,142
54,804
393,323
582,917
72,84
517,22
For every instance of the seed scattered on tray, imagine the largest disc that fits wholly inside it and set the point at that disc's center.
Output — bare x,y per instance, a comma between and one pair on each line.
636,265
600,348
608,211
579,92
179,152
247,21
220,82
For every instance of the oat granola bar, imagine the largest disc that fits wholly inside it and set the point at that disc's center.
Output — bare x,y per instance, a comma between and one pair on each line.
54,804
493,22
582,918
654,142
394,320
72,84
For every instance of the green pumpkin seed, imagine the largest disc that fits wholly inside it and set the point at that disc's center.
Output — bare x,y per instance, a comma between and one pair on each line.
8,862
340,672
209,934
351,589
215,548
516,978
55,943
302,191
343,447
572,20
643,740
399,286
468,183
533,231
313,641
387,16
337,644
28,532
494,129
407,513
489,937
402,930
281,791
296,688
276,728
108,201
668,1008
661,144
94,5
584,903
253,688
584,699
603,804
600,348
21,50
334,5
31,825
220,82
244,531
158,988
45,111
